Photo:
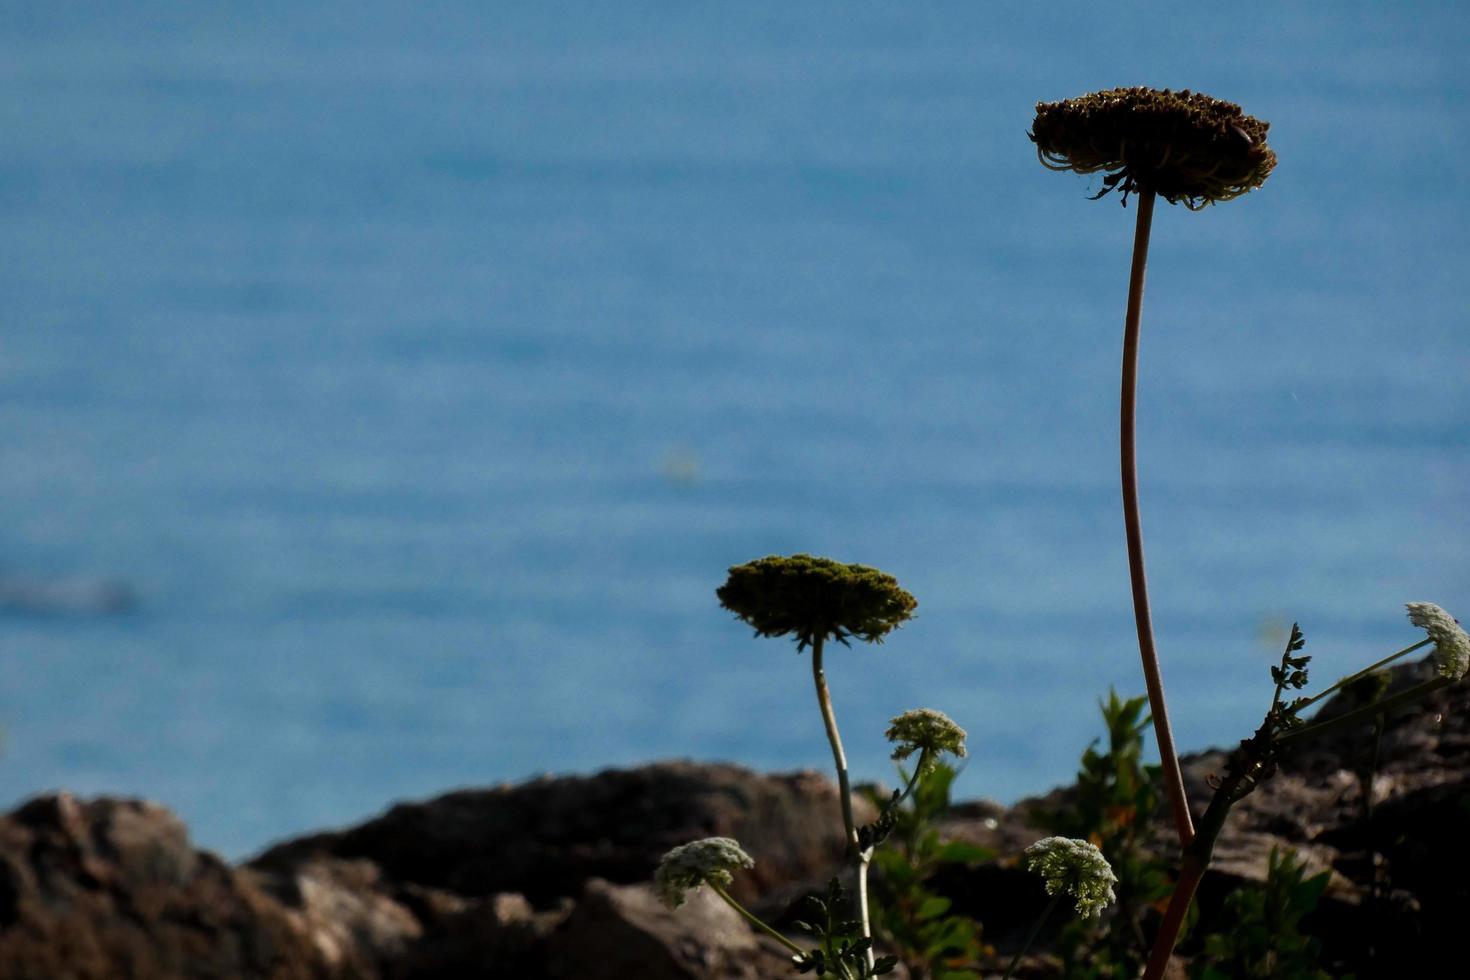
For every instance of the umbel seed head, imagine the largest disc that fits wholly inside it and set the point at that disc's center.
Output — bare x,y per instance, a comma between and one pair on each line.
1075,867
815,598
1451,643
1189,148
927,732
697,863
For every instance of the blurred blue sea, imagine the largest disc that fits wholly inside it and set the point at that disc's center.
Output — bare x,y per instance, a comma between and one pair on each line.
421,368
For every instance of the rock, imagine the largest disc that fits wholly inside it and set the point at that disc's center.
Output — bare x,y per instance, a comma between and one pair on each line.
621,931
545,838
343,909
112,888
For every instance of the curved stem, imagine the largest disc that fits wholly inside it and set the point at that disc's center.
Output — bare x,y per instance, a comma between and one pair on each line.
1163,733
913,780
1032,934
754,920
844,788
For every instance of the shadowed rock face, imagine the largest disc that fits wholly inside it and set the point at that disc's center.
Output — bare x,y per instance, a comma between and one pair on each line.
545,838
439,889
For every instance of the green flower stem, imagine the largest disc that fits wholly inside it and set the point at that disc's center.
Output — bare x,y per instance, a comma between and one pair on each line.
913,781
1163,733
844,788
1364,672
1366,711
1033,933
755,920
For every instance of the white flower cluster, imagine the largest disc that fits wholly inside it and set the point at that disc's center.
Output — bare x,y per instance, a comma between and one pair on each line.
690,865
927,732
1075,867
1451,644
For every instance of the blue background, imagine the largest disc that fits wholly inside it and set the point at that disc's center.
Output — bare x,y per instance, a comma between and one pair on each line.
423,367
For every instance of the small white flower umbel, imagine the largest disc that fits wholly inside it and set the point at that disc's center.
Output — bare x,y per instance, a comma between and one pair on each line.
1451,643
1076,868
700,862
927,732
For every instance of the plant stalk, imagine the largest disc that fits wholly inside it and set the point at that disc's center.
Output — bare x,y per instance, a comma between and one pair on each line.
1034,931
1163,733
1192,867
1358,714
1364,673
844,789
755,920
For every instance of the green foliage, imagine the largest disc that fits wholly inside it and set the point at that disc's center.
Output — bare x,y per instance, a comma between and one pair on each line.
908,914
843,953
1260,935
1116,799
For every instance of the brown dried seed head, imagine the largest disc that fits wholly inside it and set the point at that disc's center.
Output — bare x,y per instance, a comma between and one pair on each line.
1189,148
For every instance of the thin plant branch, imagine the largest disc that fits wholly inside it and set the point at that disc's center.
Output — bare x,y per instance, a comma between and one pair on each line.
1362,673
1033,932
755,920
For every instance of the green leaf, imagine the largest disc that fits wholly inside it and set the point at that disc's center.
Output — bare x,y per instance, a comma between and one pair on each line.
932,907
961,852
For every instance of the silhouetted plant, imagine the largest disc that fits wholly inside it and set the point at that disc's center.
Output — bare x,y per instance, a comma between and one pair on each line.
1194,150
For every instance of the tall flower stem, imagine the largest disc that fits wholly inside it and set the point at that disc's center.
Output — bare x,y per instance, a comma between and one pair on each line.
860,858
1163,733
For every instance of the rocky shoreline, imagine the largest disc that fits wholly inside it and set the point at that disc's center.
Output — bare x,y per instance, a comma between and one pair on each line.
549,878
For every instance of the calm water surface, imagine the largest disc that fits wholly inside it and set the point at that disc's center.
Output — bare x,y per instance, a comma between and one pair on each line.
420,369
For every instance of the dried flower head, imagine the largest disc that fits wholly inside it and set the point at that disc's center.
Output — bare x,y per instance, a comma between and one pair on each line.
1189,148
690,865
927,732
1075,867
1451,644
815,598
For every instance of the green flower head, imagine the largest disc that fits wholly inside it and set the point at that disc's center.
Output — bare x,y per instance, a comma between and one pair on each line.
927,732
1189,148
1075,867
700,862
815,598
1451,643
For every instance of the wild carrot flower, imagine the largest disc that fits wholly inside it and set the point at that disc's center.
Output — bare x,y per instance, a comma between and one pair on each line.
927,732
815,598
1451,643
1076,868
700,862
1189,148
